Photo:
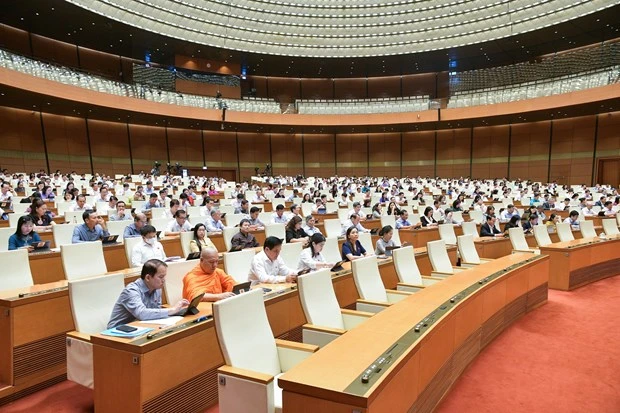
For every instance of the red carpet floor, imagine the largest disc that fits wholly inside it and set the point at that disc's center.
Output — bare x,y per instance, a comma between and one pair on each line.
563,357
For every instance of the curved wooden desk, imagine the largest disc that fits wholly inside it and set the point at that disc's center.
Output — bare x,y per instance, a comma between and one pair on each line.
418,366
582,261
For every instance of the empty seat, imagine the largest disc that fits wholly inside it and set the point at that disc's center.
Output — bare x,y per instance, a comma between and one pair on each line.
438,255
409,276
470,228
16,270
83,260
326,320
565,233
92,301
237,264
587,229
276,230
248,383
63,234
518,241
173,283
373,295
542,235
447,234
610,227
467,250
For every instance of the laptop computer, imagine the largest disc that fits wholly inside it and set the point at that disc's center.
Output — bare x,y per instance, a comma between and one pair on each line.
242,287
110,239
5,205
41,245
192,308
193,256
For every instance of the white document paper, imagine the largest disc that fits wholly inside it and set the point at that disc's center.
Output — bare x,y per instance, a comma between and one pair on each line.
168,321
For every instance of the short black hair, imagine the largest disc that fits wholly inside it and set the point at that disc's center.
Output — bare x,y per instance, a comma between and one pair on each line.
153,195
573,213
279,207
254,209
272,242
179,213
147,229
86,214
151,267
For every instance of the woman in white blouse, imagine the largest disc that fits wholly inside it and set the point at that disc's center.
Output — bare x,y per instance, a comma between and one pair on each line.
311,257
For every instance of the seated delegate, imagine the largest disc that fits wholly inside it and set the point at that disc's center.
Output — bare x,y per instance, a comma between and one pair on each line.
352,249
243,239
269,267
24,234
206,278
141,299
93,228
149,248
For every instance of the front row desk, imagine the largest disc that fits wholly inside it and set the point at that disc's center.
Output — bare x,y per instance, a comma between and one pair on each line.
177,371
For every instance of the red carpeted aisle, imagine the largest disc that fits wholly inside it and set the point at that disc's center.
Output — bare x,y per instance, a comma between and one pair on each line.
563,357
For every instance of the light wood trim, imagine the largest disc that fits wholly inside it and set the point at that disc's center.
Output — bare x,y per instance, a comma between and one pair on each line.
246,374
337,331
293,345
373,303
355,313
78,336
409,286
426,277
440,274
395,292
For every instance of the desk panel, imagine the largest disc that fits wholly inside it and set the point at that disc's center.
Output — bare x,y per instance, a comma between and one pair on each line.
583,261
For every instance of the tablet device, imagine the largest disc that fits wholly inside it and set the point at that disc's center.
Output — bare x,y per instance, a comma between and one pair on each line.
126,329
193,256
368,216
224,214
392,247
40,245
242,288
192,308
157,234
111,239
338,266
5,205
374,231
304,271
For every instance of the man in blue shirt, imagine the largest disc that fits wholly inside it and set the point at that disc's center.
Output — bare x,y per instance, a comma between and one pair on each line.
93,228
141,299
133,230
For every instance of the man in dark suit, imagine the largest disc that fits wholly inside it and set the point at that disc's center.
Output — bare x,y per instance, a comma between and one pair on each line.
528,226
488,229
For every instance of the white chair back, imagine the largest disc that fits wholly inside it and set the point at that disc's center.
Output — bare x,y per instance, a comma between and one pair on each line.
447,234
19,208
290,253
306,208
118,228
406,266
343,214
368,279
388,220
5,234
610,227
194,213
331,251
16,269
438,256
243,332
83,260
227,234
237,264
467,249
565,232
63,234
470,228
92,300
366,241
74,217
476,216
173,283
587,229
318,299
542,235
234,219
333,228
129,244
186,238
517,239
275,230
160,224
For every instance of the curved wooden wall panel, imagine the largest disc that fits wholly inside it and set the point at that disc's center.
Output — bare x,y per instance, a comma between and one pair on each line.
67,143
287,157
490,149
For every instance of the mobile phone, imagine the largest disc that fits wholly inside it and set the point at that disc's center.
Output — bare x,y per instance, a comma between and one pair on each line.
126,328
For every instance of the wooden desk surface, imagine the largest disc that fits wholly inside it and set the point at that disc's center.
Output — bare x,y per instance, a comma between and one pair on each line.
327,374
